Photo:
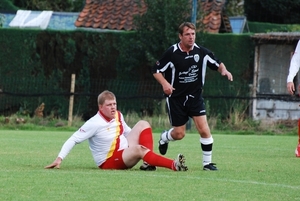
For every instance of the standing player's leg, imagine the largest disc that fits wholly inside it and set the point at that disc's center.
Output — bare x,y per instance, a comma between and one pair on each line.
206,141
173,134
178,118
297,151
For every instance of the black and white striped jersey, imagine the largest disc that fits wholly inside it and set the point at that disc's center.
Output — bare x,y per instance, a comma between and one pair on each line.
186,71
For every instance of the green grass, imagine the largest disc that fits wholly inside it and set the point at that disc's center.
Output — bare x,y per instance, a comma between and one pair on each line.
251,167
235,123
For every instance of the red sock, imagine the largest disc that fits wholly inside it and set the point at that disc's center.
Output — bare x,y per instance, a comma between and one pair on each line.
299,131
146,138
158,160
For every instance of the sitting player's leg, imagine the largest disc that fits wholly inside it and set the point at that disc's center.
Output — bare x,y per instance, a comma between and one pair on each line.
115,162
141,134
133,154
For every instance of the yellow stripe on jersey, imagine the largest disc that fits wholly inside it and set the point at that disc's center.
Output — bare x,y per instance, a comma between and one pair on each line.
116,142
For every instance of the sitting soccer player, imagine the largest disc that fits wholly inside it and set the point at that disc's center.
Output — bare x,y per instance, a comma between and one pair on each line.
114,145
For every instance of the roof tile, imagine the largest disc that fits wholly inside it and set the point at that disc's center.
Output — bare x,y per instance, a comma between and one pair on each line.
110,14
118,14
212,15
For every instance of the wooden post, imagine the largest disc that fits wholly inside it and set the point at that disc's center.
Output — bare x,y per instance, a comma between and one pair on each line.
71,103
255,83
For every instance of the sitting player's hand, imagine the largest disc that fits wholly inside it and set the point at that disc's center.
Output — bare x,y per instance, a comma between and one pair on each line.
55,164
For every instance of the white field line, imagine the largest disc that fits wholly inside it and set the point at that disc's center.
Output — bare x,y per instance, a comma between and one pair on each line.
135,174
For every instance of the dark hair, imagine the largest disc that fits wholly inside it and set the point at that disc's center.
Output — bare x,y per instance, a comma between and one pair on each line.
186,24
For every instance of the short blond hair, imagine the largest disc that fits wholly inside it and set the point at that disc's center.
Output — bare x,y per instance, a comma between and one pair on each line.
105,95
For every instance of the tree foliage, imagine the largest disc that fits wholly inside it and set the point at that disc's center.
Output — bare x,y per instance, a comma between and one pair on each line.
2,19
157,29
54,5
234,7
273,11
7,5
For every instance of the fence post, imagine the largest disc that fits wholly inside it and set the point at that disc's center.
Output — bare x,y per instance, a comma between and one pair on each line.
71,102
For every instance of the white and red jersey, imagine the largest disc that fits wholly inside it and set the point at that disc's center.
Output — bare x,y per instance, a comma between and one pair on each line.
105,136
295,64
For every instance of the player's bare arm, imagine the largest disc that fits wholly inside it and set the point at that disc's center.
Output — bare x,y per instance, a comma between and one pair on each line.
167,87
224,72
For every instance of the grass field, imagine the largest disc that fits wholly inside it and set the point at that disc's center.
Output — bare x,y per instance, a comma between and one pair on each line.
251,167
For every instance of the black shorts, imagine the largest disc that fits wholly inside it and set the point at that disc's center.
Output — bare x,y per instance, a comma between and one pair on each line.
181,108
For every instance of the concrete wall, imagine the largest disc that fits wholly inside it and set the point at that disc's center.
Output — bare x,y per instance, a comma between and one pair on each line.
272,67
277,110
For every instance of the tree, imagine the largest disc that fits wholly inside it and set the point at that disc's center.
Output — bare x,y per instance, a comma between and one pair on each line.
7,5
273,11
234,7
54,5
157,29
2,19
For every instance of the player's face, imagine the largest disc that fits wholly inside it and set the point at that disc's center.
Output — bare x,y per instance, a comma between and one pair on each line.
109,108
188,37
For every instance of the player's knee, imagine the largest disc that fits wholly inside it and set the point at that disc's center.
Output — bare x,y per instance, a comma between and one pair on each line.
141,149
178,135
143,124
205,133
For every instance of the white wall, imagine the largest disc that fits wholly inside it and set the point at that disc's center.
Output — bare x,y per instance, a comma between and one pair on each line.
271,73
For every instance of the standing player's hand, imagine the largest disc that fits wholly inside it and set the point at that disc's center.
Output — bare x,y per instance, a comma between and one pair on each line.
228,74
55,164
290,87
224,72
168,89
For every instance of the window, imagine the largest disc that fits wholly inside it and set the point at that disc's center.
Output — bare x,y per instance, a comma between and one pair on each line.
238,24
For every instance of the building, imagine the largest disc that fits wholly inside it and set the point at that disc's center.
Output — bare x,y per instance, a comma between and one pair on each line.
271,101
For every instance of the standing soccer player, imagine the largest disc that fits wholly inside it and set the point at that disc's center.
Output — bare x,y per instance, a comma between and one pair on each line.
293,70
181,73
